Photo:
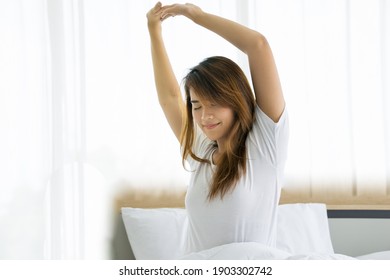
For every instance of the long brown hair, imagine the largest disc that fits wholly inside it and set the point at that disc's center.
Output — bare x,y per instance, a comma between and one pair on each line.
221,81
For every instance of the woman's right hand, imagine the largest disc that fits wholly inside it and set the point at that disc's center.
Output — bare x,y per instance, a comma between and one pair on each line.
154,17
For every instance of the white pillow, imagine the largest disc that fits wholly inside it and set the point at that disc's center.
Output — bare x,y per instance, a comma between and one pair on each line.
303,229
159,233
155,234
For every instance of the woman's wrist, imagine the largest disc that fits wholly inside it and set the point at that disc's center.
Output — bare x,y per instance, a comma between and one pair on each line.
196,14
197,17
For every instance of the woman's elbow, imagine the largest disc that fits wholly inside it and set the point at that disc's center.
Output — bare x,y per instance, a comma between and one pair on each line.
259,44
260,41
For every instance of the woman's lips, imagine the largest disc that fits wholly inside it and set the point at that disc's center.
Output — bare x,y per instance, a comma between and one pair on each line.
211,126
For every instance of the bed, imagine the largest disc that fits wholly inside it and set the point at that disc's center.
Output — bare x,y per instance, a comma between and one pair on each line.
150,225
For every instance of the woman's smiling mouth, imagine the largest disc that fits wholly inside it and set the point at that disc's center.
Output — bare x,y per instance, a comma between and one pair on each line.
211,126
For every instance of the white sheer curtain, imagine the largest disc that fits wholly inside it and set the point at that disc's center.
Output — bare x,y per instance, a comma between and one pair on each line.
42,128
79,117
25,160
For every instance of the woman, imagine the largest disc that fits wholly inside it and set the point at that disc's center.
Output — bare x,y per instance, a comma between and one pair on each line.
234,141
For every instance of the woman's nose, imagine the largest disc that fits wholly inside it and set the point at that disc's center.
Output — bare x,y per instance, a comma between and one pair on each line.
207,115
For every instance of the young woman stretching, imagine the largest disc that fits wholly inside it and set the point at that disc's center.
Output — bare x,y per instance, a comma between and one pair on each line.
235,142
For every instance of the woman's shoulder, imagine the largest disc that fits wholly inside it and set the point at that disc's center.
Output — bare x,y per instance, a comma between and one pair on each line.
263,119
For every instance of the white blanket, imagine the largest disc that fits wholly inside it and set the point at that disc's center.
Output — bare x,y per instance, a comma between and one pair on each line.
256,251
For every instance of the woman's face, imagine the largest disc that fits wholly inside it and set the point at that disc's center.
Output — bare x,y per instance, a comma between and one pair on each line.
215,120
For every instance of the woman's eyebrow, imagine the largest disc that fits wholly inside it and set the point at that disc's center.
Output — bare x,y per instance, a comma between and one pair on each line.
194,101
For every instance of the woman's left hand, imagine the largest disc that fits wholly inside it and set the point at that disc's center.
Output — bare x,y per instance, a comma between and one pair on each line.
188,10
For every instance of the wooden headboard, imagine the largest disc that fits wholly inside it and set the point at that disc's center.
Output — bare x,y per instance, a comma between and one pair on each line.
150,198
174,197
338,200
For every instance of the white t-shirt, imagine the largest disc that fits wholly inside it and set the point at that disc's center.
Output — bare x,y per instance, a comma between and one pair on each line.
248,214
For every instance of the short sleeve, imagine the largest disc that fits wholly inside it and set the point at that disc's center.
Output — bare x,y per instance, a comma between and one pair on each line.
269,138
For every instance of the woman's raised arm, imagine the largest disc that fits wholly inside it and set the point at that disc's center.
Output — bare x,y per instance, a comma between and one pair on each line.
265,78
168,88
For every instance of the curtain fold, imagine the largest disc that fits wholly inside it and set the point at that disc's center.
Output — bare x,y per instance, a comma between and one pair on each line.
65,227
